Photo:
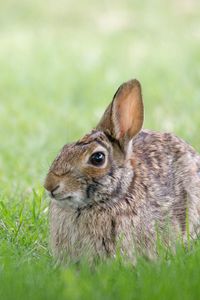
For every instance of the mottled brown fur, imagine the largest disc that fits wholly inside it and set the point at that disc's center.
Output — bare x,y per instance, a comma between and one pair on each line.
149,184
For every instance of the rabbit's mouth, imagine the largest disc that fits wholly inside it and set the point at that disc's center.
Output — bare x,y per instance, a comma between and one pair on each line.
73,200
60,197
68,198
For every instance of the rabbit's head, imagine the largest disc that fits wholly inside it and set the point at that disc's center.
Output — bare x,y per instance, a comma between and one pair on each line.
97,168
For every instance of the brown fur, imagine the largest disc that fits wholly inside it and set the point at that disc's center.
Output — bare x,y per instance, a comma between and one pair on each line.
149,183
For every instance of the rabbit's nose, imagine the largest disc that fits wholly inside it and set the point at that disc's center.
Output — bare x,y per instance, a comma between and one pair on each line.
51,184
53,191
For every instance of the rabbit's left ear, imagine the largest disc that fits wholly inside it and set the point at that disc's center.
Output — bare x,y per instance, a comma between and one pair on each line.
123,118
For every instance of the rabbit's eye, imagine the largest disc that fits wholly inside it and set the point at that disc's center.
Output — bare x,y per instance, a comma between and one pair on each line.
97,159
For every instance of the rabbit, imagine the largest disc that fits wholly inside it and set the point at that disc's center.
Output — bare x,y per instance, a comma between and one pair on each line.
117,188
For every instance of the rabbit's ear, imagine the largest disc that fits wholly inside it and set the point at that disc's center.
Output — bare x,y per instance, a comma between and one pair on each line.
123,118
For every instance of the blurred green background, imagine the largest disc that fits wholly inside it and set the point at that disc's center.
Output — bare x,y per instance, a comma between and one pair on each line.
60,64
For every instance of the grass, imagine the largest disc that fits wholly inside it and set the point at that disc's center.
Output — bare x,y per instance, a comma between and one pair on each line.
60,64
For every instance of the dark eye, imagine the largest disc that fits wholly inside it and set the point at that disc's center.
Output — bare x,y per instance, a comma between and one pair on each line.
97,159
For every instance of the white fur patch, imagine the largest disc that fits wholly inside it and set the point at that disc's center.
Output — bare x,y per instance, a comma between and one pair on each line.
129,149
73,200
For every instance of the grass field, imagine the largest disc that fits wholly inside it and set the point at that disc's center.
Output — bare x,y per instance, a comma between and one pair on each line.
60,64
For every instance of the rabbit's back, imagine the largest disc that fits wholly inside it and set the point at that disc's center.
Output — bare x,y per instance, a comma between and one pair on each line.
168,169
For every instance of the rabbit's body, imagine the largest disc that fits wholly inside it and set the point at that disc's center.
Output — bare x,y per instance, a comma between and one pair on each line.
152,188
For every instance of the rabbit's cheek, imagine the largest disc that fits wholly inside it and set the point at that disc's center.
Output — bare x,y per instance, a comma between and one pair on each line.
71,185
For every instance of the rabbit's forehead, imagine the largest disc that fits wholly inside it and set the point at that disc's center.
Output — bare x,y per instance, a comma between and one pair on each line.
93,136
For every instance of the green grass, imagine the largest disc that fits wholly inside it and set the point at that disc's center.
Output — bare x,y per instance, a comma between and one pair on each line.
60,64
